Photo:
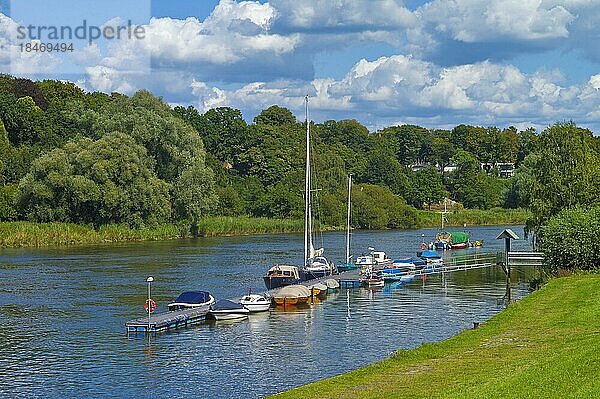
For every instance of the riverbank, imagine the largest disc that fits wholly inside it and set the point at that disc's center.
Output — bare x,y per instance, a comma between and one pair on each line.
545,345
27,234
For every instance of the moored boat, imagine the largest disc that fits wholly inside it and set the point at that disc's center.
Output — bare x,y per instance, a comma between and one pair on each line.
282,275
332,284
225,309
431,257
292,295
191,299
375,259
318,290
256,302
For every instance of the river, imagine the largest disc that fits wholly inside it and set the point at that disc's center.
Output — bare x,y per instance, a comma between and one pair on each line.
62,315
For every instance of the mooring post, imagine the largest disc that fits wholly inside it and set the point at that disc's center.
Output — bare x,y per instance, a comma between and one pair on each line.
508,235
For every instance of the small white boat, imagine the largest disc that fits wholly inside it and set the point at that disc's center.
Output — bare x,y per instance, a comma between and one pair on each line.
256,303
227,310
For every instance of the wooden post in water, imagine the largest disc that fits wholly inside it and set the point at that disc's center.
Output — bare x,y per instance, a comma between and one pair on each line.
508,235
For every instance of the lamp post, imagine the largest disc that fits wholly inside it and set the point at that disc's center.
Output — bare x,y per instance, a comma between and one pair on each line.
149,280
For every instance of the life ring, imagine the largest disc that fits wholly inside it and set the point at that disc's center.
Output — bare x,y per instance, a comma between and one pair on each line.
150,305
423,247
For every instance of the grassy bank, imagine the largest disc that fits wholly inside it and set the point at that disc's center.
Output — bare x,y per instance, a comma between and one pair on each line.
475,217
545,346
27,234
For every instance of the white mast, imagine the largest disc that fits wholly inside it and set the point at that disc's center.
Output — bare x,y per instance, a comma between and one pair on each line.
308,245
348,220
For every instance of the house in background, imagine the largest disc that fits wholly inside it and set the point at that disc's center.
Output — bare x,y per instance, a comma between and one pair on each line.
505,169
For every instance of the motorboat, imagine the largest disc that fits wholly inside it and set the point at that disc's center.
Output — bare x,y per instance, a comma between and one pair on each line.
292,295
431,257
225,309
282,275
373,280
191,299
256,303
377,260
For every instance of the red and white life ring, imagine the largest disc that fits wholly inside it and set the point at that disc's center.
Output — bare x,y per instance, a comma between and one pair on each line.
423,247
150,305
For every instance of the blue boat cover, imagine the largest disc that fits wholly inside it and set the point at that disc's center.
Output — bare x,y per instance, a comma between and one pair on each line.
193,297
414,260
430,255
224,304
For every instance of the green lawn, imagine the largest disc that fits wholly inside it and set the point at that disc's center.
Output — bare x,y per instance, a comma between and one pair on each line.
544,346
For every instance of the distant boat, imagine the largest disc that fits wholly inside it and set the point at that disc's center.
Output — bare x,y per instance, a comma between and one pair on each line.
191,299
256,303
373,280
292,295
431,257
375,259
225,309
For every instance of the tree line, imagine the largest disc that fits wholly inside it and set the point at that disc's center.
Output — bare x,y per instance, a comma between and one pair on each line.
96,159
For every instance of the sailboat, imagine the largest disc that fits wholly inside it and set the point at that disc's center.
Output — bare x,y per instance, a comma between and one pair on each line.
315,264
348,265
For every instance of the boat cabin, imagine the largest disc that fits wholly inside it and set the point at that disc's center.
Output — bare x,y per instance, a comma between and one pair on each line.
283,271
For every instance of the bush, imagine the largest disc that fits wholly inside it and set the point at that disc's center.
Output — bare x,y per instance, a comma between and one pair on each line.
570,239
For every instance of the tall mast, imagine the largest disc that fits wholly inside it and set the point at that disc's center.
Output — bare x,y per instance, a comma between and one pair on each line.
307,211
348,220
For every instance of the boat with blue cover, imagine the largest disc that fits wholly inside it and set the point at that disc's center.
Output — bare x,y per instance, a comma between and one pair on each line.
191,299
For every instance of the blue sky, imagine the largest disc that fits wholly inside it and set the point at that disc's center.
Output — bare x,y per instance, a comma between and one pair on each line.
435,63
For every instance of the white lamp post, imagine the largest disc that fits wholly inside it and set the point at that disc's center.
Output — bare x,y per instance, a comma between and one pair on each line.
149,303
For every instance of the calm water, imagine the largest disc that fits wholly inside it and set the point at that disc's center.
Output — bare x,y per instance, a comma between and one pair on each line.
62,315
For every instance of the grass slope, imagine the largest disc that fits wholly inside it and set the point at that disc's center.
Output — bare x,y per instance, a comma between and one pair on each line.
544,346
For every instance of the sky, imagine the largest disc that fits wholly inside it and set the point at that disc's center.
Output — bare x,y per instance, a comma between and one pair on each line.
436,63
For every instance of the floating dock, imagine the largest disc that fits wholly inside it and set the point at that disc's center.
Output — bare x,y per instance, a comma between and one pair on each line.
168,320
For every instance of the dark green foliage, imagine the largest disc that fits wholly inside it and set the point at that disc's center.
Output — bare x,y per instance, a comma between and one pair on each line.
376,207
8,202
95,182
562,172
570,239
426,187
275,116
215,163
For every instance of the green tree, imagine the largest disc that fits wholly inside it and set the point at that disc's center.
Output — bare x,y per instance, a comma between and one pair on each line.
562,172
276,116
95,182
376,207
427,188
570,239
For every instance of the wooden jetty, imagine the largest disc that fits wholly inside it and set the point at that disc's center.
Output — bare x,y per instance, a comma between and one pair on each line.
167,320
